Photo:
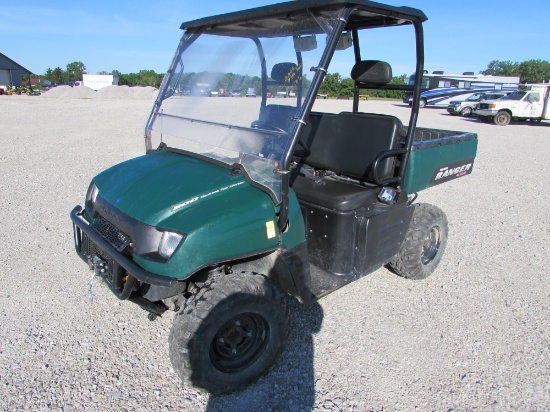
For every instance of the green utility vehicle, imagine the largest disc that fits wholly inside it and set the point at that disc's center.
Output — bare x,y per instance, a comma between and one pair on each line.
240,203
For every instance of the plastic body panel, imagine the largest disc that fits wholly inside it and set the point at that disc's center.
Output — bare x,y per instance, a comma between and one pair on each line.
439,156
351,244
221,214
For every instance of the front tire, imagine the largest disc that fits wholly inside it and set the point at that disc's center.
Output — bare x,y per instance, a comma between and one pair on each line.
466,112
423,103
424,243
502,118
230,332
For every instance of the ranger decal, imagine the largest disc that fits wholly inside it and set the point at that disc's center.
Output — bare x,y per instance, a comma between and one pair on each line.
452,171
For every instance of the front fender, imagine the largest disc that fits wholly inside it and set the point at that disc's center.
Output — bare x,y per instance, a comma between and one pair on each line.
238,223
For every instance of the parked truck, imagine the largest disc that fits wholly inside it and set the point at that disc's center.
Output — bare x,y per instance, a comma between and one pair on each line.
239,205
529,104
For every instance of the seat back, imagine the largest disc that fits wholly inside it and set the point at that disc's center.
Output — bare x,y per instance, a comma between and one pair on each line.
278,115
348,143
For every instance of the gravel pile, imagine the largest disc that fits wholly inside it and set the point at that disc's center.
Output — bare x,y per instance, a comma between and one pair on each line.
472,337
107,93
126,92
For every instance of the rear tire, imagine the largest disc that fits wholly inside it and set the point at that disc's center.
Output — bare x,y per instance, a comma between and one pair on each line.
229,333
424,243
502,118
423,103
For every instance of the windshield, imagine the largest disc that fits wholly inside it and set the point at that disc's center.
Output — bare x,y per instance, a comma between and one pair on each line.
215,102
475,97
514,96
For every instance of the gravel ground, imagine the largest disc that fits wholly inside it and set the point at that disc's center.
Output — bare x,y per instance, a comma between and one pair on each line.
474,336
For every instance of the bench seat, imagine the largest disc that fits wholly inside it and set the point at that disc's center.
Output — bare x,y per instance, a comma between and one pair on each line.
334,194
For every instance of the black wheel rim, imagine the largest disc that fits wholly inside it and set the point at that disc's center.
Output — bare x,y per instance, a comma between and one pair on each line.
431,245
239,342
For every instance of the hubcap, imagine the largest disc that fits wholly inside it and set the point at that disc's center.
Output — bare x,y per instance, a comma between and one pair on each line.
431,244
239,342
501,118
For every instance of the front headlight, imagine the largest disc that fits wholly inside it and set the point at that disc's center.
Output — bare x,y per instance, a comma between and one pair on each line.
169,242
91,197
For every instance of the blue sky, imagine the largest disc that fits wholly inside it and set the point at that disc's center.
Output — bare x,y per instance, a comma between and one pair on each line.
130,36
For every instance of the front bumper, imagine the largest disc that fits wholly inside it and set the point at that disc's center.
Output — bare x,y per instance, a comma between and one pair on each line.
486,112
454,109
124,274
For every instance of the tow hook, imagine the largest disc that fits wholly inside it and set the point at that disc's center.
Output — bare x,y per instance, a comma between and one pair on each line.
98,266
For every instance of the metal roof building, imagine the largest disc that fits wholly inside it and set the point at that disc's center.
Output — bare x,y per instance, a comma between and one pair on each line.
11,72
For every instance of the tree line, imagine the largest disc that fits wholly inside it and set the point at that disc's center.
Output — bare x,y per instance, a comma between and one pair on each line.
530,71
75,70
334,85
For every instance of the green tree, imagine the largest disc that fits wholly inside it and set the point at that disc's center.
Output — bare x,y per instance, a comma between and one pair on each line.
331,84
502,68
74,71
334,85
143,78
347,86
148,78
534,71
56,75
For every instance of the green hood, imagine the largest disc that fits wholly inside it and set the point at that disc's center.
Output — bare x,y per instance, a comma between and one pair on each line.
155,187
222,215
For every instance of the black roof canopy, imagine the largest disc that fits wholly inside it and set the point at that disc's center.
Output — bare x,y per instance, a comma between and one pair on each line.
283,17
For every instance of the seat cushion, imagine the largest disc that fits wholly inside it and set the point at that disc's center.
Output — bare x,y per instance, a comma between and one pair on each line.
334,194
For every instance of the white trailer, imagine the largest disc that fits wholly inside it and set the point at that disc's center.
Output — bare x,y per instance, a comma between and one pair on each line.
99,81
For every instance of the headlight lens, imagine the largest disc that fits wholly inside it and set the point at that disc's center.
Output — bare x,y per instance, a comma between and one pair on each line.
93,194
169,242
91,197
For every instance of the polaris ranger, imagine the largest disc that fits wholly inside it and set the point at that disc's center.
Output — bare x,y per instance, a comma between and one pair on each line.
239,203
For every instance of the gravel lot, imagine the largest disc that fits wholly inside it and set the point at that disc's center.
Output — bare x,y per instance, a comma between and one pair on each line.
474,336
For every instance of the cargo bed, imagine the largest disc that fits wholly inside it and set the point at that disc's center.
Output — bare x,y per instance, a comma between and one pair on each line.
438,156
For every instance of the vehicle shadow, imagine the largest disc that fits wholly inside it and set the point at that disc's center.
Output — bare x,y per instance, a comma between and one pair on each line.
290,384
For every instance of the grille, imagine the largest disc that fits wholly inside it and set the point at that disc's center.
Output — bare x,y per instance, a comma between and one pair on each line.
111,234
89,248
